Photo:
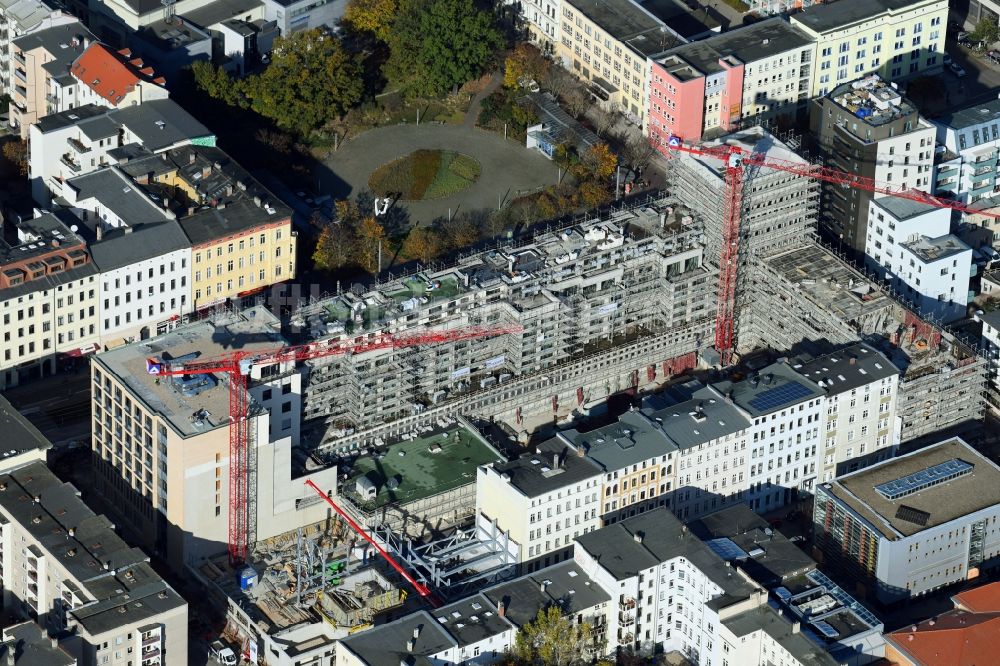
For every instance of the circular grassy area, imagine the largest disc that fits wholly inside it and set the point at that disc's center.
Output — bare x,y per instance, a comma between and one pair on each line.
425,174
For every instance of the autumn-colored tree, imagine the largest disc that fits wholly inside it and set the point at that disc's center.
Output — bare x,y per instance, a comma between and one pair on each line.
600,161
524,61
374,16
371,236
552,639
335,247
593,194
16,152
547,205
459,232
423,244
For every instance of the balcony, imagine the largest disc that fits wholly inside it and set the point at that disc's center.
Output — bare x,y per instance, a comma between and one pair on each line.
626,619
74,167
150,640
626,603
20,75
151,654
78,146
19,57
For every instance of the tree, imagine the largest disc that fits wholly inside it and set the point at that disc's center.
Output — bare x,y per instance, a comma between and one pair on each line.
16,152
593,194
986,30
334,249
552,639
437,44
600,162
217,84
311,80
524,61
603,121
636,151
459,232
424,244
577,102
374,16
371,236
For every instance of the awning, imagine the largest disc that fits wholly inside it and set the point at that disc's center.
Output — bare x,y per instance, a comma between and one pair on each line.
82,351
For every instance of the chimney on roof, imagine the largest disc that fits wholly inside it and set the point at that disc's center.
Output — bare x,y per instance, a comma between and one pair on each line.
127,230
409,645
555,461
256,201
191,157
542,586
853,361
416,632
206,171
100,231
580,453
54,642
796,627
190,211
502,609
637,537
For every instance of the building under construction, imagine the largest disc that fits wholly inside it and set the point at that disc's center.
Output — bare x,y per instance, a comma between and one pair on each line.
605,305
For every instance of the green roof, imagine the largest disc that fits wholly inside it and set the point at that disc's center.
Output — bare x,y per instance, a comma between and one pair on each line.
421,473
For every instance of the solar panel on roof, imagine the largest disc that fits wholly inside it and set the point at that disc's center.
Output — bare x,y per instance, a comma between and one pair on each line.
911,515
727,549
925,478
826,629
778,397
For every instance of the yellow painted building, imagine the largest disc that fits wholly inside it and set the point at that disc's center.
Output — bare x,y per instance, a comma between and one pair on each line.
608,44
896,39
241,235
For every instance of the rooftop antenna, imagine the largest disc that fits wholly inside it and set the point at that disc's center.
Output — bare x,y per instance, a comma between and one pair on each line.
168,10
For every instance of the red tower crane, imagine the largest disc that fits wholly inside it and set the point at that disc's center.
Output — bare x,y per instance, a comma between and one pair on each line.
237,364
736,159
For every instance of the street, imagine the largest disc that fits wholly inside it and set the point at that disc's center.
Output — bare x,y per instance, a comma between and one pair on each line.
59,406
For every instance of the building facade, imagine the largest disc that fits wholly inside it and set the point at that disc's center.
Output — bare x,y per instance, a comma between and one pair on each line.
22,17
895,39
913,524
720,84
966,153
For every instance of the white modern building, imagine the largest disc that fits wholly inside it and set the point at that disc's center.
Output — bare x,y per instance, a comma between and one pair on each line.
912,524
991,348
22,17
966,154
909,244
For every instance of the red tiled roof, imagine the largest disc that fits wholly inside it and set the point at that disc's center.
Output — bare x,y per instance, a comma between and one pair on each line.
982,599
108,73
955,638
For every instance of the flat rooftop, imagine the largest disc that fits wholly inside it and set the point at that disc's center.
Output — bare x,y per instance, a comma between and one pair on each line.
970,116
471,620
253,329
872,101
20,435
766,619
829,282
423,467
835,15
847,369
747,44
631,440
627,22
551,468
936,249
776,387
738,534
930,506
705,417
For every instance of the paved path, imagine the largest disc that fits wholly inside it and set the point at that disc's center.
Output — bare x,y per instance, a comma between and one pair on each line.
472,115
507,167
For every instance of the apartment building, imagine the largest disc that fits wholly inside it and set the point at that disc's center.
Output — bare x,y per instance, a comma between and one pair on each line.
711,464
27,643
161,445
90,137
912,524
717,85
965,158
48,300
106,77
861,426
609,44
911,245
241,235
867,128
37,60
67,569
543,501
22,17
895,39
543,19
637,278
990,346
674,593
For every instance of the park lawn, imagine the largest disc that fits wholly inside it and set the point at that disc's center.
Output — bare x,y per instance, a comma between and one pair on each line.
425,174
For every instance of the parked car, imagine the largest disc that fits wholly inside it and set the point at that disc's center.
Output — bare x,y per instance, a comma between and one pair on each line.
957,69
222,654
